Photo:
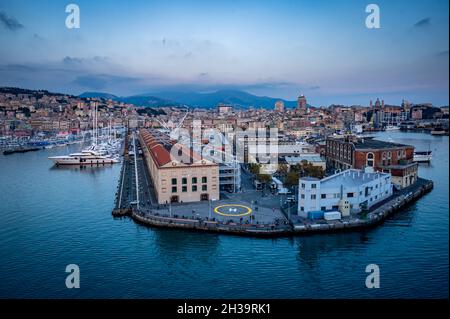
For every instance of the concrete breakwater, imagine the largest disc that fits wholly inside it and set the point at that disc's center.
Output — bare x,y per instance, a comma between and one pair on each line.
371,219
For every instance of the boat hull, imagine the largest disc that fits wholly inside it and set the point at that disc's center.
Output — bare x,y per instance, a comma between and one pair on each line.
86,162
437,133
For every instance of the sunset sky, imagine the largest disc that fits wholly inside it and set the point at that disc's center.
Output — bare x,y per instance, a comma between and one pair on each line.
276,48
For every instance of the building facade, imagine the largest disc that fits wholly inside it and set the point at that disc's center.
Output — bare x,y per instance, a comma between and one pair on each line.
183,178
354,152
349,191
301,102
224,109
279,106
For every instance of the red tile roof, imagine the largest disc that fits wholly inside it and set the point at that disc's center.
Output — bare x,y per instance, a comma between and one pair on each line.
161,154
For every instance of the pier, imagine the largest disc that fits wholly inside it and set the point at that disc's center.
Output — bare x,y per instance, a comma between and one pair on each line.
135,198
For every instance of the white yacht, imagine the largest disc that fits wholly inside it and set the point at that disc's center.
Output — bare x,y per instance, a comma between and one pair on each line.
85,157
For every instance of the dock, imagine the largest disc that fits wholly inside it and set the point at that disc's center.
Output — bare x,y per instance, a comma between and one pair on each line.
21,150
135,199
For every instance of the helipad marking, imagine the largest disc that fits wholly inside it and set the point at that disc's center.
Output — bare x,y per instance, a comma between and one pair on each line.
216,210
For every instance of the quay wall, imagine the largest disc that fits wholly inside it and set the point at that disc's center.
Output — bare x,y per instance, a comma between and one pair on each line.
373,218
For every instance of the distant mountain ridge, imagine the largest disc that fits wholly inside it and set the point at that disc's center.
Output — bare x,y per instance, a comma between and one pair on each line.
138,100
238,99
100,95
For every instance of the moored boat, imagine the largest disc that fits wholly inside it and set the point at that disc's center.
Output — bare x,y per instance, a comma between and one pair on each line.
422,156
85,157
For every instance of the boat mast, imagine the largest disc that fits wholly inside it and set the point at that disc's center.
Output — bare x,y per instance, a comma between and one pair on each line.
95,124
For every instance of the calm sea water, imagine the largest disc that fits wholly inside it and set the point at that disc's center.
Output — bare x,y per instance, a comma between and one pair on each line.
52,217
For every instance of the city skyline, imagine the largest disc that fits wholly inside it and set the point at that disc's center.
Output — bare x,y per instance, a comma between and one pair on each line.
319,49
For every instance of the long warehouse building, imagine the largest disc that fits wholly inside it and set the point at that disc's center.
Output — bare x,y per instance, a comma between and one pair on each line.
183,178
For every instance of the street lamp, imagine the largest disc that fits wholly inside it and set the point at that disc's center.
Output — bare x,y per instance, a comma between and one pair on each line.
210,207
170,208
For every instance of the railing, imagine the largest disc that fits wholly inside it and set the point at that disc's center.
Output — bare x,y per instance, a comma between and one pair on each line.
210,225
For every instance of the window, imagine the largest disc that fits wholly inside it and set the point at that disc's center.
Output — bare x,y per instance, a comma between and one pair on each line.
313,185
302,208
376,196
194,188
204,179
313,196
174,189
303,185
204,187
370,159
174,181
335,207
184,180
349,194
323,196
194,180
360,193
323,208
302,196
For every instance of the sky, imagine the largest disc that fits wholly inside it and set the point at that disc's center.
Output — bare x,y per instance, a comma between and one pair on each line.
282,49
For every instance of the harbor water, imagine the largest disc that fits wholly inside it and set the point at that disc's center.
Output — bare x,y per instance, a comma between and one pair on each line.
55,216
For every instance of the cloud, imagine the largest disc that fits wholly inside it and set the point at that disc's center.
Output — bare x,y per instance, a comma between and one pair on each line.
263,85
9,23
91,82
423,23
442,53
101,81
70,60
38,37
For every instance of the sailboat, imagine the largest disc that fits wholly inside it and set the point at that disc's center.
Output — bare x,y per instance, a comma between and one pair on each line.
96,154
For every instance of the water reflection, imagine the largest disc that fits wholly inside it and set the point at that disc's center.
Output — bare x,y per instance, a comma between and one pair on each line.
311,248
183,245
82,168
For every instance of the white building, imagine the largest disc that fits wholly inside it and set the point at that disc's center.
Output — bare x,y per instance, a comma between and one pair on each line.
347,191
224,109
210,148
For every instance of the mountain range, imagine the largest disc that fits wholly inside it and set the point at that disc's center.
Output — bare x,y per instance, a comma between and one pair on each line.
238,99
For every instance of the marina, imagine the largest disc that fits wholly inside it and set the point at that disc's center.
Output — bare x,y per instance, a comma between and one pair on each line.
81,199
225,158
